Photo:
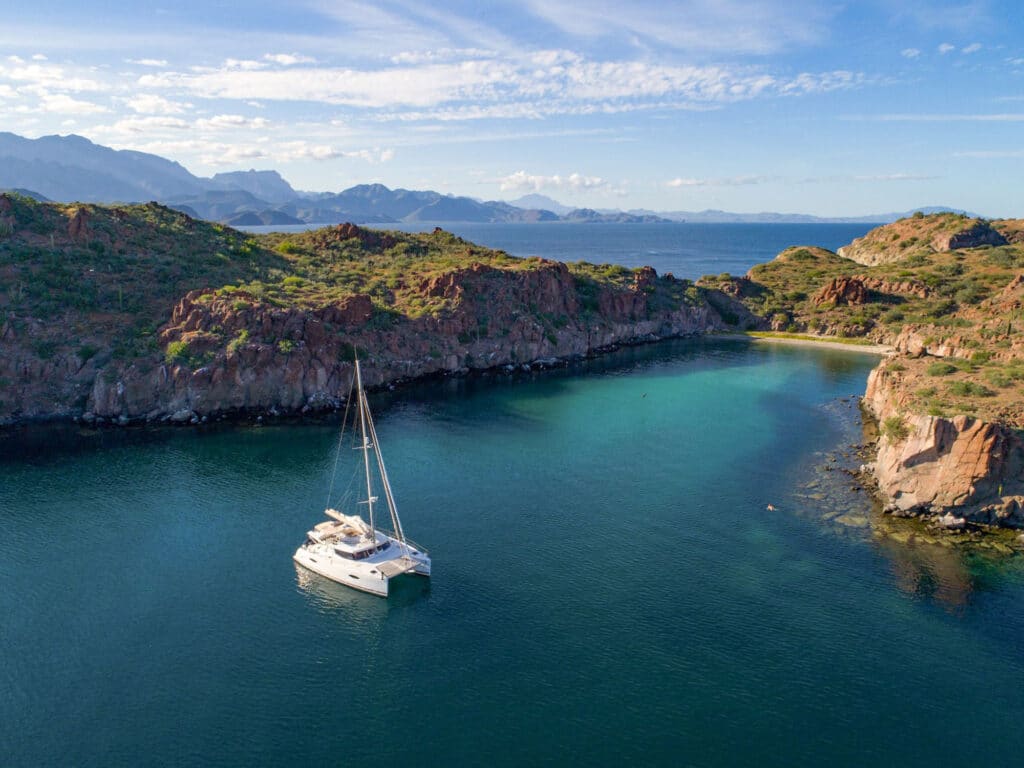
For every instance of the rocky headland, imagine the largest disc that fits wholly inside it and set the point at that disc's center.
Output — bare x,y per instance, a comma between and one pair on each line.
946,292
140,313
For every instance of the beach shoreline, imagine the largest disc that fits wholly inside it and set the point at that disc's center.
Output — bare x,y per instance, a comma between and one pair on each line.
821,342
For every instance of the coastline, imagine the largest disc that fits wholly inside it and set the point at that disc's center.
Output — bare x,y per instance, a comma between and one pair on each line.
806,340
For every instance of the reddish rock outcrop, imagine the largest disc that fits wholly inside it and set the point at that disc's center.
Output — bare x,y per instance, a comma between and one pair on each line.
842,290
895,287
78,225
934,464
236,353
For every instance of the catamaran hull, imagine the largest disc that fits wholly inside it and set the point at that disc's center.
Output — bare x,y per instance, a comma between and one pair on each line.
357,575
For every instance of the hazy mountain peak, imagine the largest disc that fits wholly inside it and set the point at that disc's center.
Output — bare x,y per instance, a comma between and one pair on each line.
535,201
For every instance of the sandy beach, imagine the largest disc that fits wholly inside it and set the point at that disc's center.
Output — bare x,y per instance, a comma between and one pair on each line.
823,341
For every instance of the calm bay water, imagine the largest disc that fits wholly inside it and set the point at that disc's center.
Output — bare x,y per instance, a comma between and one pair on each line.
685,250
609,587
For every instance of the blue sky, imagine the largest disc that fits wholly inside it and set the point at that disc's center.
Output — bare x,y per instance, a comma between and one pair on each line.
828,108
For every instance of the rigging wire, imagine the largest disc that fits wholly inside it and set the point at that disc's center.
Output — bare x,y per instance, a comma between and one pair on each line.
341,436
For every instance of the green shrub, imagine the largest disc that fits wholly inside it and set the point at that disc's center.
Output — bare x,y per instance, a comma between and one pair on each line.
895,428
177,353
941,369
969,389
285,346
895,367
241,339
998,378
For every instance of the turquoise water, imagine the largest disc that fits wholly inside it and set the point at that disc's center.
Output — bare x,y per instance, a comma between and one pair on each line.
609,587
685,250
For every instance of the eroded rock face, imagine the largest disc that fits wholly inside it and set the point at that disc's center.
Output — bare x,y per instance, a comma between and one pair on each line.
842,290
236,353
982,233
971,466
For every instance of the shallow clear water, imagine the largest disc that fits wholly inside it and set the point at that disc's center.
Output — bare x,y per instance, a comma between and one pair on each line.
685,250
608,587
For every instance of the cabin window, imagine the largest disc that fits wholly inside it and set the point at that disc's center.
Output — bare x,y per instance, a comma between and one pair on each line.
343,553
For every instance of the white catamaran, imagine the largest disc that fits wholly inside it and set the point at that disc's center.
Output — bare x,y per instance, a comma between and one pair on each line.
351,551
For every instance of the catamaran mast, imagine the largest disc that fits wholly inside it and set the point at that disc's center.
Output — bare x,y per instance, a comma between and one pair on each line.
366,447
396,524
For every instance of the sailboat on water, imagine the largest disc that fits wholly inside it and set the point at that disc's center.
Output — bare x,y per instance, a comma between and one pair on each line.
348,549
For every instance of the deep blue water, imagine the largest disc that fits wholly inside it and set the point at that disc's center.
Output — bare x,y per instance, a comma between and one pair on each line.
685,250
609,586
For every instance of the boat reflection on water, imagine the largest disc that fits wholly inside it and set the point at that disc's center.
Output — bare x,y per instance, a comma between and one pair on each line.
330,597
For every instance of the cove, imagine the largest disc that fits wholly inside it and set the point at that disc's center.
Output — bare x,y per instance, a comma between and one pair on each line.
608,586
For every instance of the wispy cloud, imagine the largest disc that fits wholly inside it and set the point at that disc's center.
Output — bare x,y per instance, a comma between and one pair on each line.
910,53
554,82
151,104
972,48
732,181
230,122
945,48
288,59
739,26
61,103
148,62
303,150
895,177
49,76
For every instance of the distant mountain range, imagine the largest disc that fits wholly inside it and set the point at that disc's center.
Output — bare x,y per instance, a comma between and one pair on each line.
72,168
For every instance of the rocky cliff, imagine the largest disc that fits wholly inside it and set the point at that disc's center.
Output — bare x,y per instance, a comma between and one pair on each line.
961,468
295,359
141,313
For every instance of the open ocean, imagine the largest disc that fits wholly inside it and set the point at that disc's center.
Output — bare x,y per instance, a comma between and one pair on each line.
685,250
609,585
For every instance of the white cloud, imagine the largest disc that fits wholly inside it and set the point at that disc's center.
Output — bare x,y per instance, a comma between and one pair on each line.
63,104
288,59
736,26
530,87
243,64
231,154
6,92
732,181
49,77
131,125
945,48
151,104
227,122
910,53
896,177
302,150
439,55
972,48
148,62
38,57
526,182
